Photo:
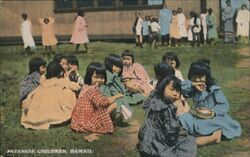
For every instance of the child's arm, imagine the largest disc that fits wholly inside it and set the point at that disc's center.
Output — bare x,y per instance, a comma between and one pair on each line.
97,98
221,105
40,20
72,85
187,89
51,19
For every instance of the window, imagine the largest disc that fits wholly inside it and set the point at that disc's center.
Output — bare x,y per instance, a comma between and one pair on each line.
101,5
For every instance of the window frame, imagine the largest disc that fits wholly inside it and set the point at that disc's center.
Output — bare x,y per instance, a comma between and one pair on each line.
105,8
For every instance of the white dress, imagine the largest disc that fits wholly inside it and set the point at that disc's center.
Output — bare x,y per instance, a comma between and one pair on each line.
139,26
204,24
191,23
26,34
242,20
181,24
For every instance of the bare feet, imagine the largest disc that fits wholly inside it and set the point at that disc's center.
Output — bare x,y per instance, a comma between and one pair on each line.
92,137
217,136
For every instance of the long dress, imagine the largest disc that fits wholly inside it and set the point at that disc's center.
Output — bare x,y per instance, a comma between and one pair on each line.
79,35
242,20
191,32
27,35
48,35
203,17
165,17
50,103
161,133
28,84
138,75
90,113
174,28
227,17
138,27
214,100
181,23
211,24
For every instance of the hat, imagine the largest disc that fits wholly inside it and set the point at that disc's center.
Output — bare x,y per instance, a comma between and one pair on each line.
203,113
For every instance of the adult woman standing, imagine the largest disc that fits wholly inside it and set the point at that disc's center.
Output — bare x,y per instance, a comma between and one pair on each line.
79,35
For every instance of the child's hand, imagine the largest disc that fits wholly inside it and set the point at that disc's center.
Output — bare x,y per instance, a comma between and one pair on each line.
119,95
200,86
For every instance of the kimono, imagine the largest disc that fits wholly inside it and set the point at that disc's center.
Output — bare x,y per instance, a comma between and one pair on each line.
174,28
242,21
214,100
28,40
211,24
181,24
48,35
161,134
79,35
90,113
49,104
227,17
116,86
137,74
165,17
28,84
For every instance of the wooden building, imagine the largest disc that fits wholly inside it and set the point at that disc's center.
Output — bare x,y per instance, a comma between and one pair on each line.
106,19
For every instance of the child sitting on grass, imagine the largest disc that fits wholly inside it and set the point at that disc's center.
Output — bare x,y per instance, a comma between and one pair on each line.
92,111
207,95
52,102
37,67
74,69
135,77
62,60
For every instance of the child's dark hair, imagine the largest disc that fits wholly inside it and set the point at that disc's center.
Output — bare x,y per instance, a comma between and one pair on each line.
201,67
171,55
163,70
111,60
72,59
24,16
54,69
35,63
81,13
59,57
161,87
210,11
96,67
130,54
46,20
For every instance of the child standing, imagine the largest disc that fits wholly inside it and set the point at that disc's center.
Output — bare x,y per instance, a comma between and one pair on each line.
211,24
195,29
206,94
92,111
203,17
181,24
134,75
155,28
242,20
161,133
79,35
26,29
145,29
174,29
37,67
52,102
48,35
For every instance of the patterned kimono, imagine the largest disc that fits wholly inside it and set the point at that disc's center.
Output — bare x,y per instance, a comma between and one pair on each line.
28,84
137,74
90,113
161,133
214,100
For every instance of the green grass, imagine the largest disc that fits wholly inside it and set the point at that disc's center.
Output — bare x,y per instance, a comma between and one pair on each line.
14,66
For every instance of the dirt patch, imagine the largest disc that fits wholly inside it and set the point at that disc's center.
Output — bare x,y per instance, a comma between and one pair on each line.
239,154
243,82
245,51
129,142
243,63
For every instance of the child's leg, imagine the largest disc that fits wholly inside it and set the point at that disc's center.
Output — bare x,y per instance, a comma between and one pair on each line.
77,47
205,140
86,47
50,49
46,48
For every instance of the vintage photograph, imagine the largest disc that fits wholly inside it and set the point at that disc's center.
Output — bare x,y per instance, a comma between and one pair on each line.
124,78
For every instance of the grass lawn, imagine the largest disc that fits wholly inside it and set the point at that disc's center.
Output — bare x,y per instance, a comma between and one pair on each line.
223,58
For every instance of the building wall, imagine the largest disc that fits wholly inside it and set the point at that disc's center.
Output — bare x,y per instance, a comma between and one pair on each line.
99,22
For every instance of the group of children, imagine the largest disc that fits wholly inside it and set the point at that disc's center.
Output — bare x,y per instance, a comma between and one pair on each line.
56,95
173,27
79,35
